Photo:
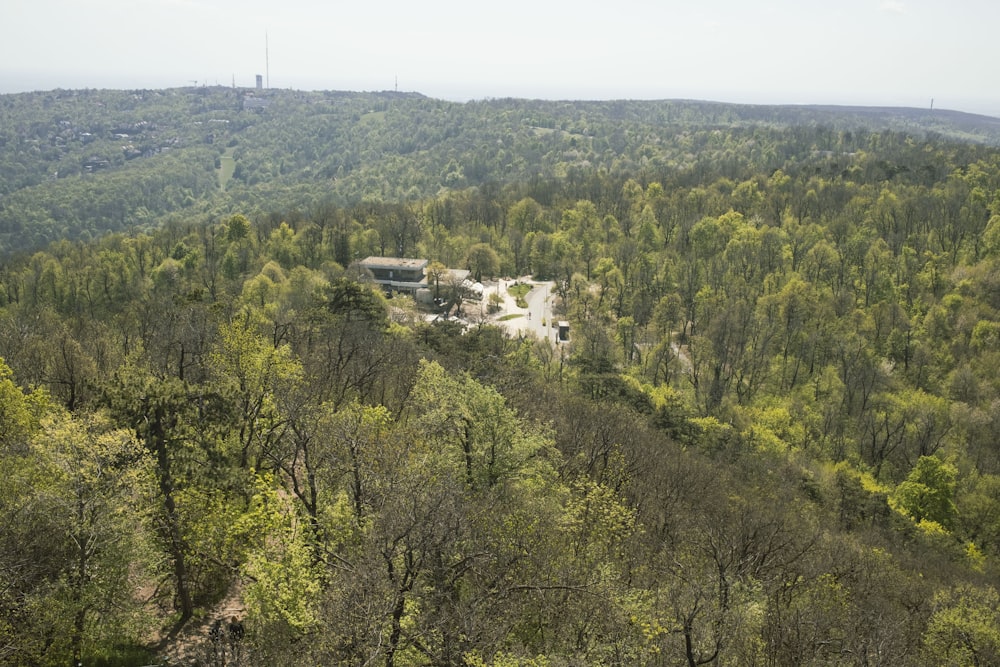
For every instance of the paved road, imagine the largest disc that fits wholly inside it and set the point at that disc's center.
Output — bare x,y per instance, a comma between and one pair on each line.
526,321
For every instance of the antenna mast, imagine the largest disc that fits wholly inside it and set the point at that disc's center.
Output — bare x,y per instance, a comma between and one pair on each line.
267,61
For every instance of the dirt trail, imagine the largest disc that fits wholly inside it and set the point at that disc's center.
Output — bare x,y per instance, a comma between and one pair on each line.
193,645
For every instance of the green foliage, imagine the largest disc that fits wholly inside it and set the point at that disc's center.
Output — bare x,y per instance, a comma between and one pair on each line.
928,492
237,228
278,563
351,301
19,413
487,440
964,628
482,261
781,332
83,490
505,660
70,172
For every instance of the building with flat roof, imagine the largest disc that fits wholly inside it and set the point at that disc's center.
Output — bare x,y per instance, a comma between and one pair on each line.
398,274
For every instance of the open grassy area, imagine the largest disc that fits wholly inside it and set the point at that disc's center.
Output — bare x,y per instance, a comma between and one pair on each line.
227,166
519,291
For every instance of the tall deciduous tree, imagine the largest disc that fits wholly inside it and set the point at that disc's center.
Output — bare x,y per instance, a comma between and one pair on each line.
928,492
98,481
175,423
482,260
964,628
255,375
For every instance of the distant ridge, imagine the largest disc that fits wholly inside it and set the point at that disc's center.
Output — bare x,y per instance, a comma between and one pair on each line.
946,122
78,164
972,126
915,112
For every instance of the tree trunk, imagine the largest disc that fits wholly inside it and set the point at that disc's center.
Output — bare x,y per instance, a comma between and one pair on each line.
156,441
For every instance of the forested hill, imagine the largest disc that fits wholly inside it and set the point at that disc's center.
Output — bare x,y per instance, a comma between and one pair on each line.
78,164
771,438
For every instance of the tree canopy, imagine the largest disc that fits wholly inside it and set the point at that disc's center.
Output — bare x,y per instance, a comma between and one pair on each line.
770,438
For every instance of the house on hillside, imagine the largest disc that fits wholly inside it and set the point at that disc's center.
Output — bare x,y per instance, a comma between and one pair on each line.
397,274
408,276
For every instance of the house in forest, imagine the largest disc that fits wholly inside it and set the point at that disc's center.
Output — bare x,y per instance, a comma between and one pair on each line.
397,274
408,276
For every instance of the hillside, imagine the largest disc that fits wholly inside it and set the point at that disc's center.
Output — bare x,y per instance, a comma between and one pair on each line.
770,438
80,164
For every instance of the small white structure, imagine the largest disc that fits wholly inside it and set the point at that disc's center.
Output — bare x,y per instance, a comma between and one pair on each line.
474,290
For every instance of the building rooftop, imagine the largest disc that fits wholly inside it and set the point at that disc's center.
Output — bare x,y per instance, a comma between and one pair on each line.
393,263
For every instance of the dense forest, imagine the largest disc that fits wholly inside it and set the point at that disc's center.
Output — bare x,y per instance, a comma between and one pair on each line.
77,164
773,438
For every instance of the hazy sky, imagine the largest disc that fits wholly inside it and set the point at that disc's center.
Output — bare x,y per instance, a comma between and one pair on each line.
871,52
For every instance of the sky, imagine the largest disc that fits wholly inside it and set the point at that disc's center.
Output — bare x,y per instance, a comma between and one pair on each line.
868,52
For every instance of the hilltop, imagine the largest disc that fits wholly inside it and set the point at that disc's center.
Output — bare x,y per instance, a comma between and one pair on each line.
77,164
